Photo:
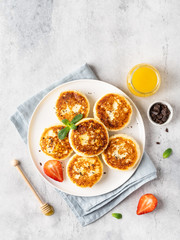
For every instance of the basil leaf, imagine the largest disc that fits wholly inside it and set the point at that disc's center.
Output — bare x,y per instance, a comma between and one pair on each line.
117,215
65,121
73,126
63,133
77,118
167,153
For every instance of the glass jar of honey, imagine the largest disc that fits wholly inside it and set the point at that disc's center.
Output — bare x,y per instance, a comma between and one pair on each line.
143,80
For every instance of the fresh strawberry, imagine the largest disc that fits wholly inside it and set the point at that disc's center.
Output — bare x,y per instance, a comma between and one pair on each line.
53,169
147,203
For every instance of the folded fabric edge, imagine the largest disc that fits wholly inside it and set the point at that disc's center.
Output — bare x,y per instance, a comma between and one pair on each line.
18,118
73,208
95,215
110,198
85,210
103,199
118,200
19,124
82,72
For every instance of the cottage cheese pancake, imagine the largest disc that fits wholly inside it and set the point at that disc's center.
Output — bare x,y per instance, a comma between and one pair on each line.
122,153
90,138
114,111
71,103
53,146
84,171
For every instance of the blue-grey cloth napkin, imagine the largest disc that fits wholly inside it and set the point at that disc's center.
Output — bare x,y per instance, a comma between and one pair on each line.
86,209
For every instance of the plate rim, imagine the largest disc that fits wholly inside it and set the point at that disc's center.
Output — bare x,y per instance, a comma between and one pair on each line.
62,85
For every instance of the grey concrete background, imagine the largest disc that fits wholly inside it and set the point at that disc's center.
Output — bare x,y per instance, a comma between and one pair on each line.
42,41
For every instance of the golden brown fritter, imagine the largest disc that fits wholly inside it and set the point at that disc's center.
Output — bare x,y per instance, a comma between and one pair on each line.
90,138
84,171
71,103
53,146
122,153
114,111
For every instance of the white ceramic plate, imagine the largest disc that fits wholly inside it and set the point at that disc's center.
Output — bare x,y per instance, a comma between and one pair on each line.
44,116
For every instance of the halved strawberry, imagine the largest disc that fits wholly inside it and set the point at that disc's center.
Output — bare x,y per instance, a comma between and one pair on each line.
53,169
147,203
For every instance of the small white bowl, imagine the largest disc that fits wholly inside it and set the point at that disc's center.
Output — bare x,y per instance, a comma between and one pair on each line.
170,116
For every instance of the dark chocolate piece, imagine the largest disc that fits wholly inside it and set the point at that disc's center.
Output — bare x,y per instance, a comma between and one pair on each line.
159,113
154,113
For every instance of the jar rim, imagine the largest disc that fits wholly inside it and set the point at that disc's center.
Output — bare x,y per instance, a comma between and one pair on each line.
135,68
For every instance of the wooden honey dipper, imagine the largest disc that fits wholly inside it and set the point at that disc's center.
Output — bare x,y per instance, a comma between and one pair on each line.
46,209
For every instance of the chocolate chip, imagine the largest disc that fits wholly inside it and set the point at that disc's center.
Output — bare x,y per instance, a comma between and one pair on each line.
156,107
157,142
164,119
160,116
153,117
154,113
159,113
159,121
163,112
167,130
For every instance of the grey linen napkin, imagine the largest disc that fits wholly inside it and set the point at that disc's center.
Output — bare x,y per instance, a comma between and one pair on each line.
86,209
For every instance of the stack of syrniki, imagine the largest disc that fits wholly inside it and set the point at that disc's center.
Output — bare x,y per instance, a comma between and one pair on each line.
111,112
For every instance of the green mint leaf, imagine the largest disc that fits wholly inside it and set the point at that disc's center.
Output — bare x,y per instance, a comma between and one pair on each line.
167,153
63,133
73,126
77,118
66,122
117,215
